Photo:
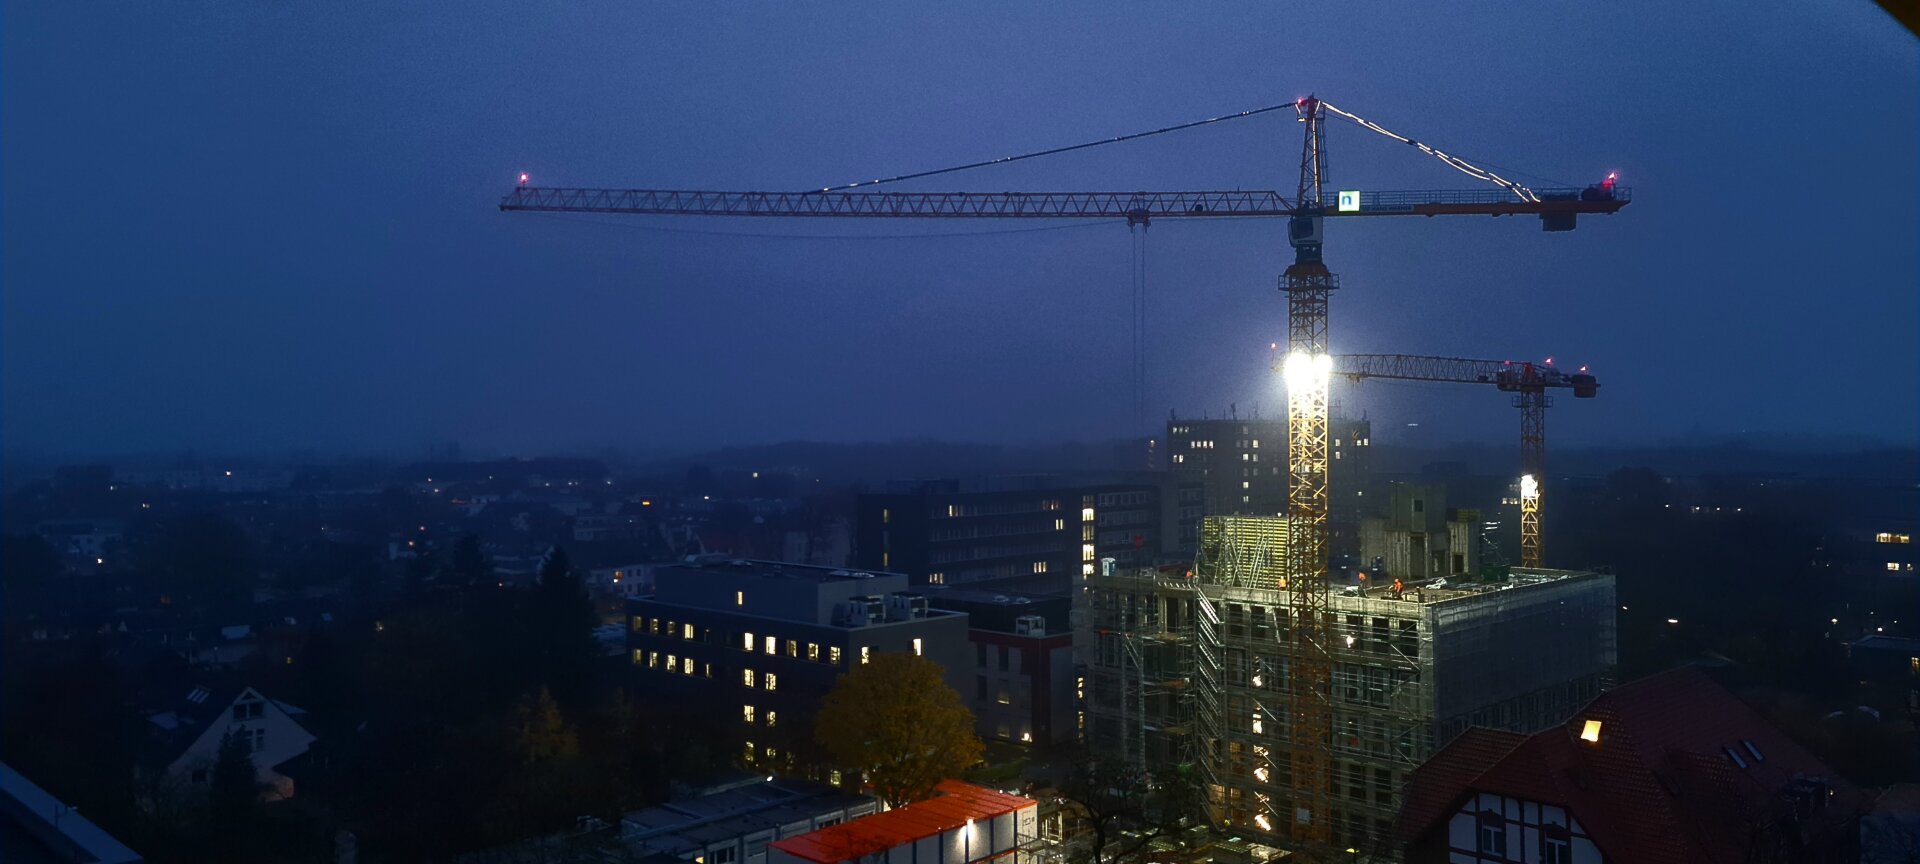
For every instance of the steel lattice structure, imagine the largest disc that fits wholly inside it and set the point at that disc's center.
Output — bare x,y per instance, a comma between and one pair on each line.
1307,283
1528,382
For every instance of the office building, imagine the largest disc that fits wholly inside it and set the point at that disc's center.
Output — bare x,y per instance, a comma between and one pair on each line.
945,532
761,642
1023,674
1185,664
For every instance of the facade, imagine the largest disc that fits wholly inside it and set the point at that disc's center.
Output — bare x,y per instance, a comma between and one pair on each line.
1671,768
944,533
732,823
761,642
1240,464
1187,665
188,737
1348,483
961,824
1023,673
1418,537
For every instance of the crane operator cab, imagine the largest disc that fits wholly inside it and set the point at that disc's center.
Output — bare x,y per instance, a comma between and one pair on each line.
1601,191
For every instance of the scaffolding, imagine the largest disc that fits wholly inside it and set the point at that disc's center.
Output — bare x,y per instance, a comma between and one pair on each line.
1410,669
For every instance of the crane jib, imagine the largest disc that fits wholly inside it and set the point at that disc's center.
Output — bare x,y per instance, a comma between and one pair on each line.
1049,205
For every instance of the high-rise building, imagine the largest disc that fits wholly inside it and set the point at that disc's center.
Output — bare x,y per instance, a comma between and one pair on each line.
944,532
760,642
1240,464
1186,664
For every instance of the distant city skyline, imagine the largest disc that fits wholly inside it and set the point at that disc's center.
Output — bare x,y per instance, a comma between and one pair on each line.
243,229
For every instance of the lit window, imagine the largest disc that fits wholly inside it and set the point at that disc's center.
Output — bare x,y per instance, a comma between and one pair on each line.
1086,514
1086,551
751,752
1003,698
639,623
1892,566
1883,537
639,657
773,719
653,626
653,660
916,646
1913,665
771,683
793,648
746,713
686,632
673,663
746,641
746,677
813,651
1039,566
866,654
771,644
1590,731
833,655
739,598
834,777
886,516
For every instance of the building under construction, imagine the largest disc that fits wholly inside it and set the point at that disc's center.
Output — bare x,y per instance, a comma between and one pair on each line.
1188,665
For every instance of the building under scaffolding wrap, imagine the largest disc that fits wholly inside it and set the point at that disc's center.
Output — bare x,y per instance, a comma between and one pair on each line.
1190,665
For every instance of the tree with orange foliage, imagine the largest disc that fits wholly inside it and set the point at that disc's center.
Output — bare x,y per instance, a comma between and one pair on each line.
895,719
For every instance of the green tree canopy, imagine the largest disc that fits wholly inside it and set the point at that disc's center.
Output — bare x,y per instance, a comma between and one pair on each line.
896,719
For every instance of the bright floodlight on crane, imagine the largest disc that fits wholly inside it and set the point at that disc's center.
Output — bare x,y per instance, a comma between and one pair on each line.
1305,372
1529,487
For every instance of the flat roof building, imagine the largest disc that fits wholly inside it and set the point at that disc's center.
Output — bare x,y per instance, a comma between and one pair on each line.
733,823
961,824
1188,665
759,643
945,532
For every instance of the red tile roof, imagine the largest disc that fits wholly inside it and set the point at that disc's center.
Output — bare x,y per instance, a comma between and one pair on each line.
1657,787
956,804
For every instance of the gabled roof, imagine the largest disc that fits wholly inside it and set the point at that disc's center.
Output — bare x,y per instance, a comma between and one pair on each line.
956,805
1682,772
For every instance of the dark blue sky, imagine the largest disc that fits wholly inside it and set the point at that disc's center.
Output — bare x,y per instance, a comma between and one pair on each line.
253,226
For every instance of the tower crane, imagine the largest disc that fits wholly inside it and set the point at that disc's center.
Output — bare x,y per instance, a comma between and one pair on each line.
1306,368
1528,382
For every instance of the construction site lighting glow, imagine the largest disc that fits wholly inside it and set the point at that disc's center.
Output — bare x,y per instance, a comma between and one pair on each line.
1590,731
1529,487
1307,372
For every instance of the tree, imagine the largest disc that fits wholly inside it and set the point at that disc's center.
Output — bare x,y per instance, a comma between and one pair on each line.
542,733
896,719
560,621
1125,807
234,787
470,564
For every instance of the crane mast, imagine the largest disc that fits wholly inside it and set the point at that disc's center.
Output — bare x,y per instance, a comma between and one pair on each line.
1306,371
1528,382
